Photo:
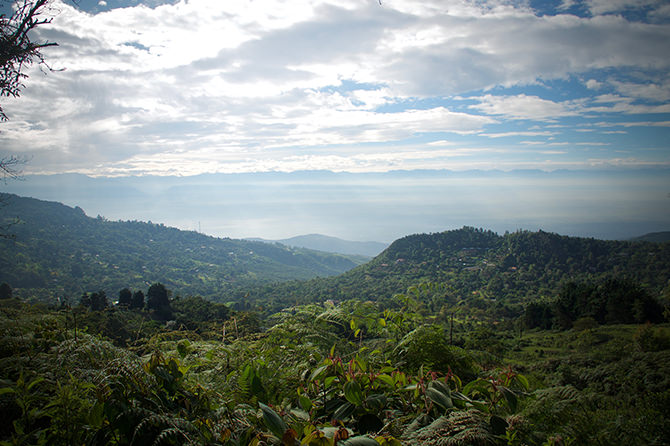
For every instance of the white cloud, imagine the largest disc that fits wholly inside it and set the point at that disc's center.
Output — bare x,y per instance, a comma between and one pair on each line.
508,134
248,78
593,84
524,107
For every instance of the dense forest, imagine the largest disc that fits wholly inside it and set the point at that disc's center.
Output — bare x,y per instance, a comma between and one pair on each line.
464,337
58,251
481,269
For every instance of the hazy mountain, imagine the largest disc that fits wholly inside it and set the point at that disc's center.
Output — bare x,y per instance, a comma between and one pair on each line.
326,243
607,204
58,250
658,237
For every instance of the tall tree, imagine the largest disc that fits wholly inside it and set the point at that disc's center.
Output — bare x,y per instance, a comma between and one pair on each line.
125,297
98,301
137,302
5,291
159,301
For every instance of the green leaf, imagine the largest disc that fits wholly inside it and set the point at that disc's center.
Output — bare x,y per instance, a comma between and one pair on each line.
377,401
7,390
439,398
479,385
523,381
344,411
498,425
510,397
34,382
305,403
353,393
386,379
273,421
361,440
442,387
317,372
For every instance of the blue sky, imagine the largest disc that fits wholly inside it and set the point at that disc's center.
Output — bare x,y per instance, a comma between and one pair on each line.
182,88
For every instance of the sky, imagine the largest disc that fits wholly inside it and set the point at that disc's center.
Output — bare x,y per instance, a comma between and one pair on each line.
185,88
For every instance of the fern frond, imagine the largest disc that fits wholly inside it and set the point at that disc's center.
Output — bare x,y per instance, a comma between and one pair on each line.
469,428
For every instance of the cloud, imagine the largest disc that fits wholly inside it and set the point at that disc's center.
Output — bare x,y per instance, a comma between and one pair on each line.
244,80
616,6
524,107
593,84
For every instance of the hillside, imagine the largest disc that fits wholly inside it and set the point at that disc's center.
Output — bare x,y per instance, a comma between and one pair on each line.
59,249
484,269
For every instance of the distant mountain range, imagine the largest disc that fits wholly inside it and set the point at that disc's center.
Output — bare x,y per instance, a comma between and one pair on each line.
326,243
56,251
658,237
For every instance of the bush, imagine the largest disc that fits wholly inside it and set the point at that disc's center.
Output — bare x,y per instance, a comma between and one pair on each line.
428,346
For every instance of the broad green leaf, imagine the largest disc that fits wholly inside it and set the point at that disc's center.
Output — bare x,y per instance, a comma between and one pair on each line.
344,411
315,374
353,393
305,403
442,387
390,441
523,381
361,440
439,398
510,397
273,421
386,379
300,414
478,385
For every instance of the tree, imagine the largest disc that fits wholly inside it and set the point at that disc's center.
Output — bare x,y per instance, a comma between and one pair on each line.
98,301
5,291
125,297
17,50
137,301
158,300
85,300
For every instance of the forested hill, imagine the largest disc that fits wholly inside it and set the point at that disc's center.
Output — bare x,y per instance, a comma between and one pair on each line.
483,269
60,251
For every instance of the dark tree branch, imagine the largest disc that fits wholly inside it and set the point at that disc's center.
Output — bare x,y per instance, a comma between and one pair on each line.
9,167
16,48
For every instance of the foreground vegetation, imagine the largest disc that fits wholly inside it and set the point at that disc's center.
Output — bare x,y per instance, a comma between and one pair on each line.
323,374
